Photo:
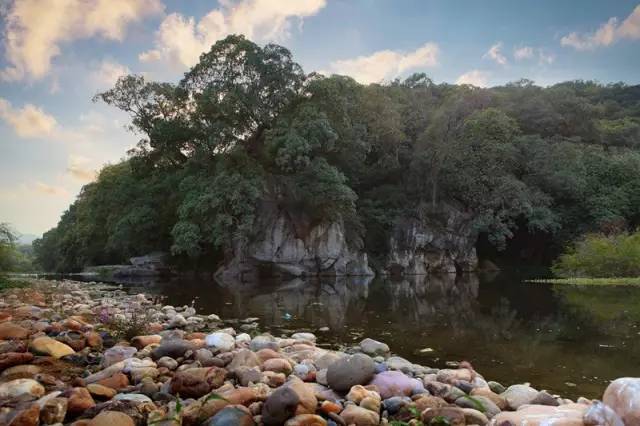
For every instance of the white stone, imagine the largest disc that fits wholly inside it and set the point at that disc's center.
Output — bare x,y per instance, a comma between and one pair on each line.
222,341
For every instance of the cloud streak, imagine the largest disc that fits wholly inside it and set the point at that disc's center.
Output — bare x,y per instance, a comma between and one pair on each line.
607,34
386,64
495,53
180,40
30,121
475,78
35,29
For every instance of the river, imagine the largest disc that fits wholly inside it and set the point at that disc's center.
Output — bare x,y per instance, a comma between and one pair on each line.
566,339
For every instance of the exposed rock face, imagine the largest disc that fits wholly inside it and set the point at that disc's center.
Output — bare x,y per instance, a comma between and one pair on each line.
442,241
291,247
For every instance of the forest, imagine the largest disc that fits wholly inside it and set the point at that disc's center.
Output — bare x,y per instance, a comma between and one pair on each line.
246,125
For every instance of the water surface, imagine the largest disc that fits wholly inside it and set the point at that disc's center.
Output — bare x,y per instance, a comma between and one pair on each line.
566,339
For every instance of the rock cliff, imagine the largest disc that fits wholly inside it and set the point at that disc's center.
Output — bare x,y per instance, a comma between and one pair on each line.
284,247
437,241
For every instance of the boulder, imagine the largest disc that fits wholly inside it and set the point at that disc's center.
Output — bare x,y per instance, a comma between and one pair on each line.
20,387
196,382
48,346
293,398
353,370
395,383
518,395
563,415
623,396
373,347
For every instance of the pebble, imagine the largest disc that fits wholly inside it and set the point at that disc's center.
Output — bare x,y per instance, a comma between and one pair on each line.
349,371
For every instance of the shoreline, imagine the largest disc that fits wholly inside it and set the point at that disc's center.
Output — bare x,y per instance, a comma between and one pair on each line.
78,350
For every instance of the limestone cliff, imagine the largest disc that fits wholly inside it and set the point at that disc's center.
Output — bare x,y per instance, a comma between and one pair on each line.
282,246
440,241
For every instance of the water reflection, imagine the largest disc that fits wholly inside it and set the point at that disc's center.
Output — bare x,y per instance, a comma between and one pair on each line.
511,331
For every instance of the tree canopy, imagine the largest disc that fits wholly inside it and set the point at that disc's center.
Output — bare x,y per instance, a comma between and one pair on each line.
246,126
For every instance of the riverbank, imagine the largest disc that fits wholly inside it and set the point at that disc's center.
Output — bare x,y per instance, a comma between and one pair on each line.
86,353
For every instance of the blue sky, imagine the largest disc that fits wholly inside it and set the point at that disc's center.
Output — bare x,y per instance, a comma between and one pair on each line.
57,54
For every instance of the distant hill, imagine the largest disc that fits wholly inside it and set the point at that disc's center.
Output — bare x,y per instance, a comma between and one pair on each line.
27,238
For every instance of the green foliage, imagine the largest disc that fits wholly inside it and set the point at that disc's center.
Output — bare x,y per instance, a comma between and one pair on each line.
246,128
601,256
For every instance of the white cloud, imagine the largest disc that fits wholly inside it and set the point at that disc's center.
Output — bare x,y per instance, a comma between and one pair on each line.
528,52
474,77
29,121
608,33
35,29
47,189
386,64
495,54
79,168
525,52
107,73
180,40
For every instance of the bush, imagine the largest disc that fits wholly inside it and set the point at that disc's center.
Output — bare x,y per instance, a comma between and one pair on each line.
601,256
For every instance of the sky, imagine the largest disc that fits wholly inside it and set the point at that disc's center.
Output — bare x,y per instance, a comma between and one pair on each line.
57,54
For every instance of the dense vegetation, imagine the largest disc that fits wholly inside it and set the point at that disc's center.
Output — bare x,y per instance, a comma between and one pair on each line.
13,257
246,125
602,256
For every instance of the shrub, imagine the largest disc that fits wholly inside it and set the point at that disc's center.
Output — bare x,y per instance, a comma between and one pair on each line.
601,256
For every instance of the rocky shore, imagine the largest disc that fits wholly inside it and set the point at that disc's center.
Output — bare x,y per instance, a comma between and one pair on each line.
76,353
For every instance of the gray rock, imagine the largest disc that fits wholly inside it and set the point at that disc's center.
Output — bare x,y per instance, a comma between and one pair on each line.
172,348
346,372
373,347
264,341
496,387
489,408
231,416
398,363
517,395
545,398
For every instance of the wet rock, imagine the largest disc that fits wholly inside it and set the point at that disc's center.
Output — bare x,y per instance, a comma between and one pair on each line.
496,387
101,392
232,416
10,331
398,363
354,415
48,346
222,342
518,395
564,415
20,387
346,372
112,418
623,396
306,420
14,358
53,411
498,400
79,400
453,415
172,348
373,347
395,383
196,382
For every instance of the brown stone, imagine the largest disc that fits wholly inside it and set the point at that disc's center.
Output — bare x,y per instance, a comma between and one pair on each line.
306,420
277,365
140,342
112,418
354,415
54,411
117,381
10,330
196,382
29,416
454,415
94,340
14,358
79,400
100,391
265,354
429,401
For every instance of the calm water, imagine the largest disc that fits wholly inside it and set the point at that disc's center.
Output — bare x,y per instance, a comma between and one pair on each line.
569,340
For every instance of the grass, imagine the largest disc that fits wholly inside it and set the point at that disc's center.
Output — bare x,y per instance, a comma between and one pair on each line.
613,281
6,283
